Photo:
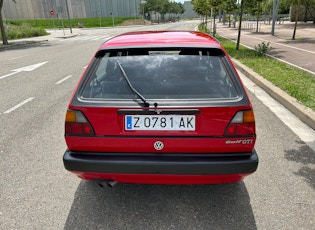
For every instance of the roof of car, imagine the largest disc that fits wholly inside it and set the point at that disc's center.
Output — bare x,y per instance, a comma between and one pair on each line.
158,38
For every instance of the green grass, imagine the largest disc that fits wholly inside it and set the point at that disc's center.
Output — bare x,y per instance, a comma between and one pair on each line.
17,29
297,83
57,23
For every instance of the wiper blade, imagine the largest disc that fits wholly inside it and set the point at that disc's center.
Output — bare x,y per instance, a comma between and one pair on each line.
146,104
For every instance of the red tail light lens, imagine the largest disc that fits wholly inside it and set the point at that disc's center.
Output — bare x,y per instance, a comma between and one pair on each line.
242,124
77,124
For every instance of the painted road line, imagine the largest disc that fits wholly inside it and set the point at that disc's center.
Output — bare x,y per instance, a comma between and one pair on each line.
7,75
18,105
62,80
24,69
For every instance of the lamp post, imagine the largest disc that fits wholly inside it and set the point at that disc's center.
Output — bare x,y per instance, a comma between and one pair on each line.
112,13
68,16
274,15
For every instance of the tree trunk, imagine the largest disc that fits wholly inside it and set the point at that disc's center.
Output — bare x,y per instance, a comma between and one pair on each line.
4,37
297,14
240,26
274,15
258,14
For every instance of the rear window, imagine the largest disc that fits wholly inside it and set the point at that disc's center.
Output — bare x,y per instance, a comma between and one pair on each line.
160,74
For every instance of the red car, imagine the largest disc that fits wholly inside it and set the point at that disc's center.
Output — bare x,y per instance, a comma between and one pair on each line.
160,107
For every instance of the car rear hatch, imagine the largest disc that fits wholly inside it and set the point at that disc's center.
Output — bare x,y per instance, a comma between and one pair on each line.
158,100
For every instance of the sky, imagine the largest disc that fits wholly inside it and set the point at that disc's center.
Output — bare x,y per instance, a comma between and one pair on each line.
182,1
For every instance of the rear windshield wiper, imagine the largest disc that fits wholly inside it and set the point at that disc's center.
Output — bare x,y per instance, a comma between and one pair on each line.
146,103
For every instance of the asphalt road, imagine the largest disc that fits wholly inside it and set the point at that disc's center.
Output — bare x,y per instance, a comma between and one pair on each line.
36,192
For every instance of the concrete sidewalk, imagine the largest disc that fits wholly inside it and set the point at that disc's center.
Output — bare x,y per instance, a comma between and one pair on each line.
54,34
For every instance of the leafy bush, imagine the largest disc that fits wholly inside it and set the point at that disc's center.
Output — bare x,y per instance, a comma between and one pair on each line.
14,31
262,48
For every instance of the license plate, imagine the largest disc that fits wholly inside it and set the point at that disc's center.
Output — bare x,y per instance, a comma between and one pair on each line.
168,122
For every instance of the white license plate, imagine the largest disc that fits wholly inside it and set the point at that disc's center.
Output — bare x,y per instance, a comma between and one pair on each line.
160,122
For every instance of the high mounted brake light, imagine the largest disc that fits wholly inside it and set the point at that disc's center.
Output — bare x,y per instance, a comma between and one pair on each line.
77,124
242,124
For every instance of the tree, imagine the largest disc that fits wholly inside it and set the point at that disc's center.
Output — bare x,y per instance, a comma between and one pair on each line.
4,37
297,4
176,8
2,29
229,6
161,7
297,15
240,25
215,5
255,8
202,7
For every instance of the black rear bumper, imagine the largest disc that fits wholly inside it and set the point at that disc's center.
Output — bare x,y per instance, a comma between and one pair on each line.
180,164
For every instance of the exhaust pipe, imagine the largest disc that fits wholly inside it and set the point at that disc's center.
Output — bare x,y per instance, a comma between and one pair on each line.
110,183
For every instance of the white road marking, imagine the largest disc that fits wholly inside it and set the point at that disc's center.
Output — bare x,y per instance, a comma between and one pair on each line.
18,105
304,132
30,67
23,69
7,75
62,80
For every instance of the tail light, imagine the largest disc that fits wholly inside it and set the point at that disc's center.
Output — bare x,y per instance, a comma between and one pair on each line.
77,124
242,124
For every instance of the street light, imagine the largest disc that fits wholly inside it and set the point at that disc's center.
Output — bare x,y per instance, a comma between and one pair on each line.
68,16
112,13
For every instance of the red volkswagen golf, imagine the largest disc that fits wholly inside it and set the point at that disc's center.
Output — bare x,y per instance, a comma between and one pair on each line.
160,107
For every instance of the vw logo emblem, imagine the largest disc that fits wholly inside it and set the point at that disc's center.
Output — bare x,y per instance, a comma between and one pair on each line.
158,145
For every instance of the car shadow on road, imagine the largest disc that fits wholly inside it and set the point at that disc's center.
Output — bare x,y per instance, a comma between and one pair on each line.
306,157
131,206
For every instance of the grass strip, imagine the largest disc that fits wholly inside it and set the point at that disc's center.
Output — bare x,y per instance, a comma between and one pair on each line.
64,22
17,29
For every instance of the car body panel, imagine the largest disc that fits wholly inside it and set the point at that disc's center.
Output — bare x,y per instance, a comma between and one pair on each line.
131,93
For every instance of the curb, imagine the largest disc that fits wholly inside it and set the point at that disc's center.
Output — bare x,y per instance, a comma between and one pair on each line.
17,43
67,36
304,113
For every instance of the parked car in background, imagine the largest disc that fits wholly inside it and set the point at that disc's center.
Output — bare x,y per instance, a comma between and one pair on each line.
160,107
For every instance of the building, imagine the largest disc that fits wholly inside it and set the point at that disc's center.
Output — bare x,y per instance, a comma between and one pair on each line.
37,9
